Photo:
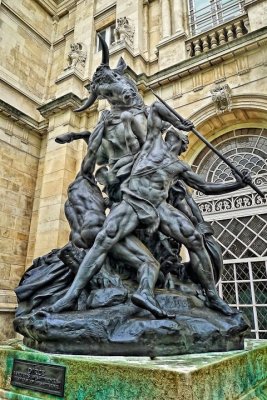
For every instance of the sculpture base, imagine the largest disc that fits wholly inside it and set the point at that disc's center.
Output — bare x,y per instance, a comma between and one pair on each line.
127,330
213,376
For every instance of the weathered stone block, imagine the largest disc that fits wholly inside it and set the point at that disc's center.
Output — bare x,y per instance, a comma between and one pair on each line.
6,245
213,376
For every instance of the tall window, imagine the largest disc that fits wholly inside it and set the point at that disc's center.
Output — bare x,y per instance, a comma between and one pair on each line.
107,34
205,14
239,221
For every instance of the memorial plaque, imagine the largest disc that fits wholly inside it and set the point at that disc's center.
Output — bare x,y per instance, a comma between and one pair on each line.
40,377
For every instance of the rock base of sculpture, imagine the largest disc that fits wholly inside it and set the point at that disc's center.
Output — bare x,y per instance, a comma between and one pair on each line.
124,329
213,376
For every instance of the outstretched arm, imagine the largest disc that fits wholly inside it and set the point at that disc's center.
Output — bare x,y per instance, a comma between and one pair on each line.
158,114
167,116
71,136
93,140
197,182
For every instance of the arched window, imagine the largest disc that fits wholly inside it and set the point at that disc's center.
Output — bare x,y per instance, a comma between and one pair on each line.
239,221
205,14
245,148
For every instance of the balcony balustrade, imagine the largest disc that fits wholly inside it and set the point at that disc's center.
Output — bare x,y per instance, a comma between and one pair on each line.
217,36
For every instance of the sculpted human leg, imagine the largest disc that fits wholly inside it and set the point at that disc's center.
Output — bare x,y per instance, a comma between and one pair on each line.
132,251
121,221
175,224
84,228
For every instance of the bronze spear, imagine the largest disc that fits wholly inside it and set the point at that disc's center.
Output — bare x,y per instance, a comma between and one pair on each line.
233,167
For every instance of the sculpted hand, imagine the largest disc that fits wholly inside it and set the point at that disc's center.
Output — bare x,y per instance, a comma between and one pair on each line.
186,125
245,180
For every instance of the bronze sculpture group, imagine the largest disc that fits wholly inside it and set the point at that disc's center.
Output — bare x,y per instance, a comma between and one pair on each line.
123,257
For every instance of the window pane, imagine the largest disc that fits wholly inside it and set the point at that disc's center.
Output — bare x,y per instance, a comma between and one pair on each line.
199,4
202,17
107,34
230,8
112,37
244,279
204,14
103,35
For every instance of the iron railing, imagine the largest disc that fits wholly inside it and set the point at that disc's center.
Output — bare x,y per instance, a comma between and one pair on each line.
216,13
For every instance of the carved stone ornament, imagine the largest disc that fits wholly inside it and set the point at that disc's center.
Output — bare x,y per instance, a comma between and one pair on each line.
221,97
124,31
77,56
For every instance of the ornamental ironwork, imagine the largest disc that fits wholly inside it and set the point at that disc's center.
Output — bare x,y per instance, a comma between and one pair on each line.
236,202
239,222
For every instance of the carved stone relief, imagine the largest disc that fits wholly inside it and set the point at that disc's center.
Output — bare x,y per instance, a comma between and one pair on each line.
221,97
77,56
124,31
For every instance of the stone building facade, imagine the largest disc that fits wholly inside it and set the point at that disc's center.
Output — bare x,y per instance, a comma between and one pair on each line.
207,59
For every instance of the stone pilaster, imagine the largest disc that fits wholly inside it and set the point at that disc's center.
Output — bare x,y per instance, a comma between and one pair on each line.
58,167
146,25
133,10
79,51
178,15
20,142
84,31
166,18
256,11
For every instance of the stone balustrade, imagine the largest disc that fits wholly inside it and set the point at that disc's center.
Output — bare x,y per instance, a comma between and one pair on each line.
217,36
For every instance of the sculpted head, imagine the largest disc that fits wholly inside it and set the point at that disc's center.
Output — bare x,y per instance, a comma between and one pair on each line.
112,84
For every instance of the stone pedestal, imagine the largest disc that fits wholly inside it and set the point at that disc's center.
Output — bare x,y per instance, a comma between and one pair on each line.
109,328
212,376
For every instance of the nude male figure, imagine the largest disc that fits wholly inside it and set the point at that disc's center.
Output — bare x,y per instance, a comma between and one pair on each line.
181,198
147,189
85,211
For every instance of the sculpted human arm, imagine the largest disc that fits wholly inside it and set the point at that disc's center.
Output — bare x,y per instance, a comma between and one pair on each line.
71,136
167,116
157,117
89,161
197,182
102,156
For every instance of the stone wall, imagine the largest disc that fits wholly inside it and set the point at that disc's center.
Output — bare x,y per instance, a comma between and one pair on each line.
25,42
19,157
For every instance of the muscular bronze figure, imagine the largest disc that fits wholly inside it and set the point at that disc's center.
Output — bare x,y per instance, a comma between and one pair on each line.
132,228
144,205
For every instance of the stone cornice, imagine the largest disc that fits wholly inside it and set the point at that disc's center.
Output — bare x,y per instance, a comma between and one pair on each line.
124,46
249,2
170,39
69,100
65,6
71,73
49,6
22,119
110,8
54,7
201,62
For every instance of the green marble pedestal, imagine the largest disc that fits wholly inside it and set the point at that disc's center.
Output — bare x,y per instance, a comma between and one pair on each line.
209,376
